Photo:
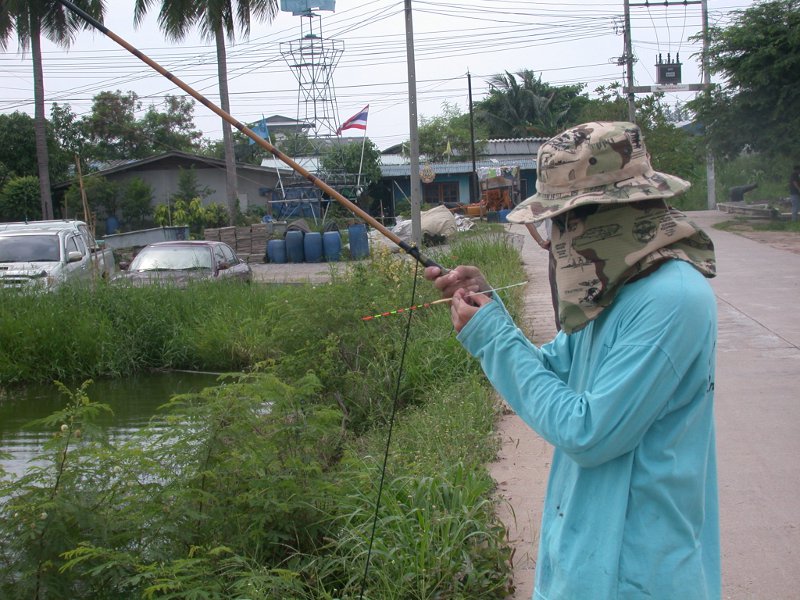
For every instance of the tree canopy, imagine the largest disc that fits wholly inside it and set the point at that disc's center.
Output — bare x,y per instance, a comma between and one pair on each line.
758,105
522,105
31,19
449,130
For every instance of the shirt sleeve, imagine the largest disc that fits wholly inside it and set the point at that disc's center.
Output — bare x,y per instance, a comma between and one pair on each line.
630,387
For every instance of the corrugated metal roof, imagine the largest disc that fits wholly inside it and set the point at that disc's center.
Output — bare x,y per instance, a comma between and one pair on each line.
458,168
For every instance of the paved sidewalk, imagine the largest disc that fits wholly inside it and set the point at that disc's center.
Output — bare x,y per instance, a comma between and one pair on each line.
757,413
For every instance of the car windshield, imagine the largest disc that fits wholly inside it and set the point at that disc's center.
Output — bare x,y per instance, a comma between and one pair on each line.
29,248
172,258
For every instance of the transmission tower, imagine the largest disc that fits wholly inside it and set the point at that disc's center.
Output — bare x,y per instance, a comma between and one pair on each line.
313,59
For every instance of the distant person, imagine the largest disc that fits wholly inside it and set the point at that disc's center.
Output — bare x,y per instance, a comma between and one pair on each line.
794,190
625,391
544,243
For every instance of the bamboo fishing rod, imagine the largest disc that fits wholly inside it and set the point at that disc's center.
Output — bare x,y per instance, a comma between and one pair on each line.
412,251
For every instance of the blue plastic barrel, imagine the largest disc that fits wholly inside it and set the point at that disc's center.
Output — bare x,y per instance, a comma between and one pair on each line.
502,214
294,246
276,251
312,247
112,224
332,245
359,243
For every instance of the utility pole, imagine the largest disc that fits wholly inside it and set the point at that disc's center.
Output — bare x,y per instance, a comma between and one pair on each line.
629,63
416,186
711,177
472,177
691,87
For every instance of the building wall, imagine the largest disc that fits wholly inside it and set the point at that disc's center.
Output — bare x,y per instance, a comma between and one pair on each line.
165,183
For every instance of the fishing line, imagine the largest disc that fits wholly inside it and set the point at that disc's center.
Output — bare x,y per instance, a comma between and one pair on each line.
398,311
389,434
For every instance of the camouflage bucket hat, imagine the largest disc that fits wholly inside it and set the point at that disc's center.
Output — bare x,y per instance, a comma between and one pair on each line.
594,163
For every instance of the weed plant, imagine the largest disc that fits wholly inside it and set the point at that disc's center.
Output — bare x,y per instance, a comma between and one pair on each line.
265,485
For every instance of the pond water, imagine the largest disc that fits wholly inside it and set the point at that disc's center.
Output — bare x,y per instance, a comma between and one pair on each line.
134,400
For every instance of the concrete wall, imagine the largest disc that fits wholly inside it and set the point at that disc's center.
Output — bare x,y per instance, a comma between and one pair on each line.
165,183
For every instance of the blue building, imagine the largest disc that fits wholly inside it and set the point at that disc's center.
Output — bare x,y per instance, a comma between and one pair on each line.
454,181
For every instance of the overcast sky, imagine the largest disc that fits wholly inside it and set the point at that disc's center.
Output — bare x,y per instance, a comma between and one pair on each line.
566,42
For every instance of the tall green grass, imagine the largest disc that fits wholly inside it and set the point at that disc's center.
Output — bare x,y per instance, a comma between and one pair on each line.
263,486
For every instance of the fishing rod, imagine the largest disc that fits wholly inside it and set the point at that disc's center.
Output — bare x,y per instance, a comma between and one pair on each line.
412,251
398,311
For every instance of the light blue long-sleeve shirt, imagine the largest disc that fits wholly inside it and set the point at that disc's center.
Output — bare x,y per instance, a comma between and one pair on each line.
631,508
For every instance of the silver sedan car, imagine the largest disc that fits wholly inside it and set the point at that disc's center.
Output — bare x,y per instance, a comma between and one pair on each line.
179,263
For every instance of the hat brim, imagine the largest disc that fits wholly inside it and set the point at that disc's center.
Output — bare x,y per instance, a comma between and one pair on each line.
634,189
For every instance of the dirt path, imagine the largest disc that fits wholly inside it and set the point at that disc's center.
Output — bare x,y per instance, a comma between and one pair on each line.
524,460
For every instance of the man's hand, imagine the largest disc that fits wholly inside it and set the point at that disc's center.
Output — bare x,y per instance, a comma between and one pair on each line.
469,279
464,306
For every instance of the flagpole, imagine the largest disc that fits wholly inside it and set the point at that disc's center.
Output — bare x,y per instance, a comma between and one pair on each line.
277,170
361,162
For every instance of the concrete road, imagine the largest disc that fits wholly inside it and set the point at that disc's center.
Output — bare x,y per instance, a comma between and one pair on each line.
757,412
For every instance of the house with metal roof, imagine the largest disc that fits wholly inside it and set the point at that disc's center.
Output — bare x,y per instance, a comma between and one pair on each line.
161,173
456,181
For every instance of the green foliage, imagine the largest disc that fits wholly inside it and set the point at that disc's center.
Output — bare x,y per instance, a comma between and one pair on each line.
522,105
19,199
172,128
189,187
18,147
102,196
45,510
345,158
112,129
770,173
136,203
216,215
450,127
255,487
296,144
758,56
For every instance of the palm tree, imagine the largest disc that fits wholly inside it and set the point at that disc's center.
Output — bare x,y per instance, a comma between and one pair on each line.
524,105
216,20
30,19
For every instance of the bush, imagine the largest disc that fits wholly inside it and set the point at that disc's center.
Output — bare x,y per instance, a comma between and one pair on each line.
20,200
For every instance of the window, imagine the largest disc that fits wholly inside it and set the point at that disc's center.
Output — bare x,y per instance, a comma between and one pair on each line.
219,256
440,193
230,257
72,245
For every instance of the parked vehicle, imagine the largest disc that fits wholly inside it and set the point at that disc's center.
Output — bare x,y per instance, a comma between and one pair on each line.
180,262
46,254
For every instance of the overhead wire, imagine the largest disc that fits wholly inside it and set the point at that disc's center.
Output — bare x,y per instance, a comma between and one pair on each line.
505,25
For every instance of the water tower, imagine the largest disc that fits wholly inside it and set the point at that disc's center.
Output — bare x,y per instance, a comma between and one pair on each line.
312,59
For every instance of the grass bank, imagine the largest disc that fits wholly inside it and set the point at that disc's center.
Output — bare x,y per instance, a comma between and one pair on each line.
263,486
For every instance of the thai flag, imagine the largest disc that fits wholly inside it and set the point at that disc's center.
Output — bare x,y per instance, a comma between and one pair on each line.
357,121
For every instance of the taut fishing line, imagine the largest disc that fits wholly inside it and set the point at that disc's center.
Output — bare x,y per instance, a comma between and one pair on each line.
389,434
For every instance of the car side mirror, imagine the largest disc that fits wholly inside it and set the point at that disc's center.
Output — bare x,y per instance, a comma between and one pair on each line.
74,256
222,266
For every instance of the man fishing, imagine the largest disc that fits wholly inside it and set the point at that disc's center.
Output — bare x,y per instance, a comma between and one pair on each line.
625,391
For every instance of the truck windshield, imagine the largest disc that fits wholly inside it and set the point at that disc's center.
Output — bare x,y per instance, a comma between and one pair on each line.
29,248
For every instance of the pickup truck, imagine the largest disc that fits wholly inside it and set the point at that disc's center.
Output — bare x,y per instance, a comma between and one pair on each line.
46,254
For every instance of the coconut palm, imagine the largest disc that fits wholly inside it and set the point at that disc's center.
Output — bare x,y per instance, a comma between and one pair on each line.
216,19
524,105
31,19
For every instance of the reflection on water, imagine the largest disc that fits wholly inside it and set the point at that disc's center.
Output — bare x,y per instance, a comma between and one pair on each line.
133,400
